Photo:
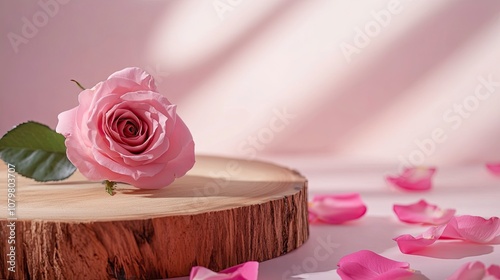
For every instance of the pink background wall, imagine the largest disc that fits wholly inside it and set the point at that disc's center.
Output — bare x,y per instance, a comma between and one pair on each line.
260,78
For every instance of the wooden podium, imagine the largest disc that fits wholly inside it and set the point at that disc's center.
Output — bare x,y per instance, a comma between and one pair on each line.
222,213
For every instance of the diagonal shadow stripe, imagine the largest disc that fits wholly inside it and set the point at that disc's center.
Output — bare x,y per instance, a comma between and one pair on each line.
367,93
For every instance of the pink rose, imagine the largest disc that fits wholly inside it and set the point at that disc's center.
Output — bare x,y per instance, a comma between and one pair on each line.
123,130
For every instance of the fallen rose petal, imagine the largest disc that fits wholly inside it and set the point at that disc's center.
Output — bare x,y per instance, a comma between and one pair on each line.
469,271
312,216
473,228
468,228
366,264
450,230
244,271
493,271
476,271
414,179
423,213
494,168
408,244
336,209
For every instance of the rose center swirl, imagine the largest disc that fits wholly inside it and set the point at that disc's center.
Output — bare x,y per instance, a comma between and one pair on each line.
130,129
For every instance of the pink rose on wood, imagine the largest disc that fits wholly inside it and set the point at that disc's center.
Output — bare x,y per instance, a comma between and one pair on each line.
123,130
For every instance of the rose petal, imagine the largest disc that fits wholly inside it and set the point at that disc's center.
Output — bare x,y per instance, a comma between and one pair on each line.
136,75
244,271
476,271
494,168
423,213
451,230
468,228
414,179
366,264
473,228
469,271
312,217
493,271
336,209
66,122
408,244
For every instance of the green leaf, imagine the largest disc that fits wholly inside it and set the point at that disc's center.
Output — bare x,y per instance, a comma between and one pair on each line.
37,152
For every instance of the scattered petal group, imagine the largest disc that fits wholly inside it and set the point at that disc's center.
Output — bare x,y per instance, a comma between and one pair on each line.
365,264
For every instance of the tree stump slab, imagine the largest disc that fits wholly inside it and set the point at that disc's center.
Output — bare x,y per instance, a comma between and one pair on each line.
222,213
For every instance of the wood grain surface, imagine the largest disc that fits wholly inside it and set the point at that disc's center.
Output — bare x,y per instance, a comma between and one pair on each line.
222,213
